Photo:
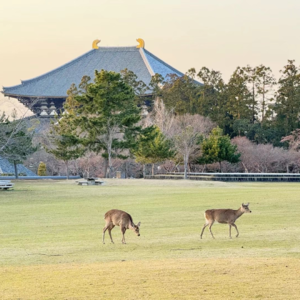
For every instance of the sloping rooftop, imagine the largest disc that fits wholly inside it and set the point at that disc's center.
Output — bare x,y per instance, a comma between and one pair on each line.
7,168
55,83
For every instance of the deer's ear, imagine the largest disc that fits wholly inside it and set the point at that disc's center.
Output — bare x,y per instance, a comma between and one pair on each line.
138,224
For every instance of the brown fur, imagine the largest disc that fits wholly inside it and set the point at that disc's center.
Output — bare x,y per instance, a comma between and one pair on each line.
120,218
224,216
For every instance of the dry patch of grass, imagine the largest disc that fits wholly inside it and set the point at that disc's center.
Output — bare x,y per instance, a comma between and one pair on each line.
260,278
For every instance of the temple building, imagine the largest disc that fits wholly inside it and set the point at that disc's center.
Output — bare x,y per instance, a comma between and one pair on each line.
45,94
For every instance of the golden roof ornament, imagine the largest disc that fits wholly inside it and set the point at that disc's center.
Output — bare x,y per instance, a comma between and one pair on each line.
141,43
95,44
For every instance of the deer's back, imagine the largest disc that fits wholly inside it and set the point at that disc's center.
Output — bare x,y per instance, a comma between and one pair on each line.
220,215
118,217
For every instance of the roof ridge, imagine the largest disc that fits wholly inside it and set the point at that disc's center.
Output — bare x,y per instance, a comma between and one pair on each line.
163,62
145,60
116,47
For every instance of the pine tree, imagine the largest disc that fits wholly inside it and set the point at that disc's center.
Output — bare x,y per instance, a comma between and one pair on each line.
287,106
264,85
15,140
181,93
138,86
238,98
212,96
105,117
61,140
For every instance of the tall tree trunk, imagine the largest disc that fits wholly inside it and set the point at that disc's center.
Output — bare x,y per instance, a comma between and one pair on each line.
153,169
109,165
245,168
263,103
144,170
67,166
220,166
253,105
105,167
16,169
126,169
185,161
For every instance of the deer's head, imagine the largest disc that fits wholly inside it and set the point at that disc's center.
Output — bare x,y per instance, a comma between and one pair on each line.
136,229
245,208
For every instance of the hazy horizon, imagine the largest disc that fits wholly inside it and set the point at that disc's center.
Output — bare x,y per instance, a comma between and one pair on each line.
39,36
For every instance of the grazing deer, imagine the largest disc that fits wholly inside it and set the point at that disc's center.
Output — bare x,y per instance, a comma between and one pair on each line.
120,218
224,216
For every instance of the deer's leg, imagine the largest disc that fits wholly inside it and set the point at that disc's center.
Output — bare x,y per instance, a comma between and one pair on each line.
109,231
205,225
104,229
236,229
230,231
123,229
210,225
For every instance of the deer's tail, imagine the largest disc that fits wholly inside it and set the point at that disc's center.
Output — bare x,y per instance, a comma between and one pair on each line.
206,215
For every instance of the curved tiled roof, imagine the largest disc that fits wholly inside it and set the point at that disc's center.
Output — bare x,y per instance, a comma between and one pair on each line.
55,83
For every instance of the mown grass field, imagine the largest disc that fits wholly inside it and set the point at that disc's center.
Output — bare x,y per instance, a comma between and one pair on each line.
51,248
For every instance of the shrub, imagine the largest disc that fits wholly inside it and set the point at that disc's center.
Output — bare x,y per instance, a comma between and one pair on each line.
42,169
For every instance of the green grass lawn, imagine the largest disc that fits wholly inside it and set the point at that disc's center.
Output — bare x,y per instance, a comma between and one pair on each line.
51,241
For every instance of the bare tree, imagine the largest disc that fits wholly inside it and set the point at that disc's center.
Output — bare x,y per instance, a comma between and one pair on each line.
186,133
161,117
184,130
91,164
265,158
293,140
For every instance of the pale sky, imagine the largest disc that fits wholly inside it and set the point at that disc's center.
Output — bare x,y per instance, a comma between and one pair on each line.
37,36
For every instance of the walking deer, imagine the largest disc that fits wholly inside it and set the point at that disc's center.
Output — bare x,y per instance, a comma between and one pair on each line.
224,216
120,218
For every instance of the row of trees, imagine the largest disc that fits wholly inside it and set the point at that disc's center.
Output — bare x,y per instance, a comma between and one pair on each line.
252,103
189,123
104,117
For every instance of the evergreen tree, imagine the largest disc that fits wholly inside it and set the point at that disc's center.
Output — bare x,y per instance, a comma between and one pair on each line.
181,93
217,148
15,140
138,86
238,98
156,84
287,106
212,96
61,140
252,79
264,85
64,146
153,147
105,117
